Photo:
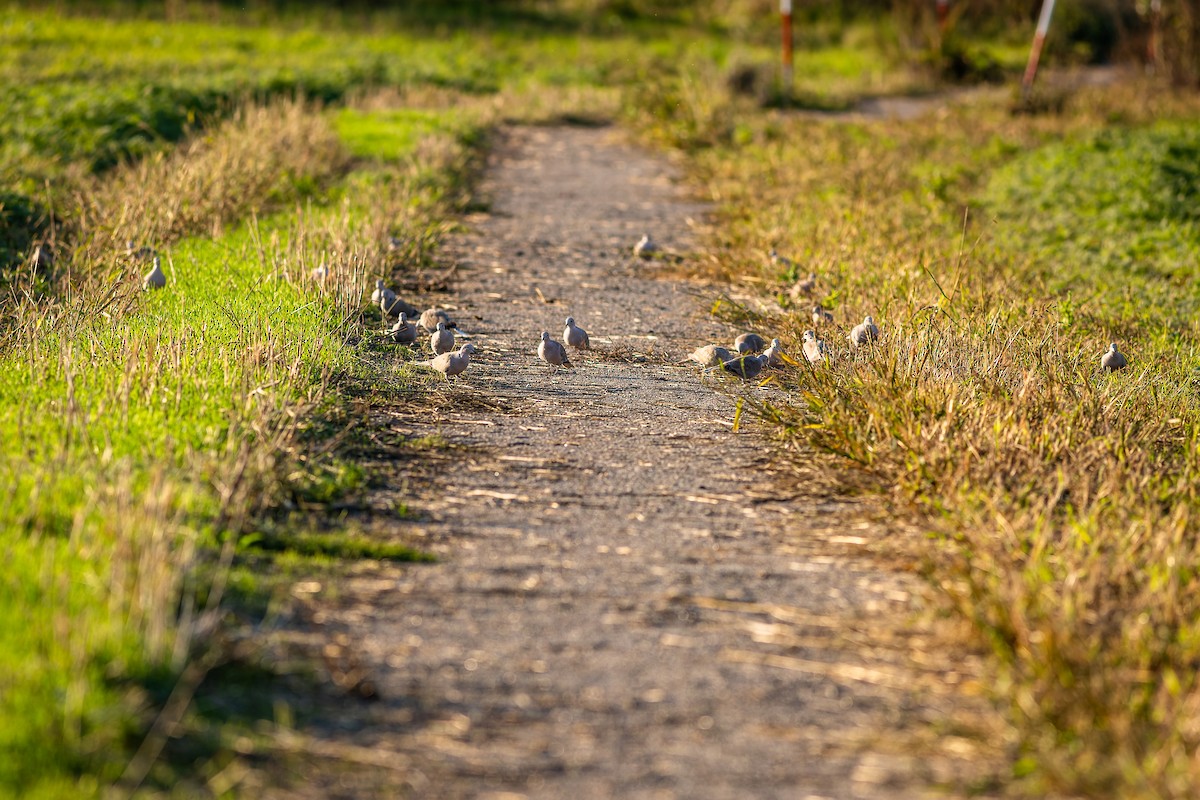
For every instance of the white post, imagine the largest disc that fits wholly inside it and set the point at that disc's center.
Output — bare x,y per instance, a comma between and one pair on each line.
785,15
1035,53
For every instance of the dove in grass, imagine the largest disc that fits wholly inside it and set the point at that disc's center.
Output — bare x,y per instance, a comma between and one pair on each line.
576,336
710,355
382,292
821,316
804,286
864,332
552,352
155,279
813,348
319,273
139,255
1113,359
453,363
745,367
774,354
441,340
646,247
749,343
782,261
403,332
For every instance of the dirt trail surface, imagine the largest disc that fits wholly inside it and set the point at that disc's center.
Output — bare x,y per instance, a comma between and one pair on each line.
627,603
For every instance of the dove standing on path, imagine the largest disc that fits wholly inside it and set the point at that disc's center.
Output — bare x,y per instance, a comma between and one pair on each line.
403,332
155,279
864,332
1113,359
646,247
430,318
749,343
804,286
774,354
820,316
552,352
576,336
441,340
782,261
814,349
711,355
451,364
747,367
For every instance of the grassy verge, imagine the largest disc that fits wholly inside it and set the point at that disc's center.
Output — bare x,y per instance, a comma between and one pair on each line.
1001,255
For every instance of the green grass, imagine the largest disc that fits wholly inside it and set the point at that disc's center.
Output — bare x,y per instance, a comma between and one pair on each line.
1001,255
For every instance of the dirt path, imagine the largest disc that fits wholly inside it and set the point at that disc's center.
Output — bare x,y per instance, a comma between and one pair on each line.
625,606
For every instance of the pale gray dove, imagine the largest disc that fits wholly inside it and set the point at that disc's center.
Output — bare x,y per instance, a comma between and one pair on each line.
403,332
319,274
1113,359
814,349
864,332
749,343
745,367
803,286
139,255
821,316
774,354
381,292
430,317
155,279
394,307
552,352
711,355
441,340
451,364
782,261
576,336
646,247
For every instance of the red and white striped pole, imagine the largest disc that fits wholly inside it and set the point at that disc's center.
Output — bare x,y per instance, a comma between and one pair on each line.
1035,53
785,17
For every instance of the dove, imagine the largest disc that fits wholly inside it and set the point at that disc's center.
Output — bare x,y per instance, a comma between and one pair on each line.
395,306
430,317
155,279
41,259
381,292
394,244
319,274
403,332
814,349
576,336
782,261
774,354
820,316
646,247
1113,359
749,343
552,352
711,355
866,331
441,340
451,364
139,255
745,367
804,286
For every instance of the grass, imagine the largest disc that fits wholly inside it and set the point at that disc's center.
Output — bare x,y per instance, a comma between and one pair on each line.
1001,254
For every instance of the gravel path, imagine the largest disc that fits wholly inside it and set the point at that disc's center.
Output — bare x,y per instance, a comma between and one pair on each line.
630,602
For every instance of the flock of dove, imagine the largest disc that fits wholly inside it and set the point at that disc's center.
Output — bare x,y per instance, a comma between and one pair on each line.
749,357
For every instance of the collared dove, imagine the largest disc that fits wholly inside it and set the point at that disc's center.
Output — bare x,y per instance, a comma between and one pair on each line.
441,340
646,247
395,307
711,355
430,317
803,286
576,336
864,332
394,244
749,343
552,352
821,316
1113,359
814,349
745,367
774,354
782,261
403,332
381,292
451,364
155,279
319,274
139,255
41,259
